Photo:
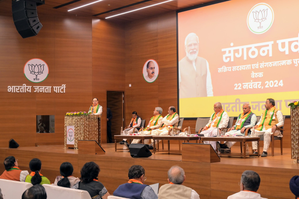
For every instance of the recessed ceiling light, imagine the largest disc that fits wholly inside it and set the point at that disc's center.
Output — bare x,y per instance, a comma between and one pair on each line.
84,5
138,9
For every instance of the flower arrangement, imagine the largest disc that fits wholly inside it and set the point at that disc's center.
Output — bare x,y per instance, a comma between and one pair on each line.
294,104
76,113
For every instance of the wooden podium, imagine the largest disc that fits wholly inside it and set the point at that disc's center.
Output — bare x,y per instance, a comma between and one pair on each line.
84,127
193,152
295,133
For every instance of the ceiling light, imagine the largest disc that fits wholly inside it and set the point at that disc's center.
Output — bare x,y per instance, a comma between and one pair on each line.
84,5
138,9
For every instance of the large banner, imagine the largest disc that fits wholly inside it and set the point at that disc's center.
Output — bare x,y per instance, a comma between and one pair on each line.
236,52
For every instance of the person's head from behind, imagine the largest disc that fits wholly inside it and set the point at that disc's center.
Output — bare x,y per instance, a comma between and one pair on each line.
294,186
150,68
35,166
250,181
35,192
66,170
89,172
10,162
137,172
176,175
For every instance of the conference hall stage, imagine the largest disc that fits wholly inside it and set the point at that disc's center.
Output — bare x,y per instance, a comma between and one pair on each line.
210,180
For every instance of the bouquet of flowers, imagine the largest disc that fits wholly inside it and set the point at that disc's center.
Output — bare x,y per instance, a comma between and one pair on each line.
76,113
294,104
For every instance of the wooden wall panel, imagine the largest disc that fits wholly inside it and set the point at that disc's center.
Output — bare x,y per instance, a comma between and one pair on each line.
153,38
108,63
64,43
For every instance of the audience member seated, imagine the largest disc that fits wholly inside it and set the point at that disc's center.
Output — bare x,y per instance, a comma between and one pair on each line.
175,189
89,181
270,120
35,192
246,120
135,125
169,121
154,123
12,171
66,179
294,186
250,182
135,188
35,177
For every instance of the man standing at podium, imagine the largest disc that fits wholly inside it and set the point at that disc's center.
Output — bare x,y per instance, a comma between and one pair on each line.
95,108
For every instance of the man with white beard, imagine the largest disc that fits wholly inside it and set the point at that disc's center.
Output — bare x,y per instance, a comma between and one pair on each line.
194,74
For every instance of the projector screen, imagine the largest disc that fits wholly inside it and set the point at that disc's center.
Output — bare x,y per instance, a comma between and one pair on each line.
235,52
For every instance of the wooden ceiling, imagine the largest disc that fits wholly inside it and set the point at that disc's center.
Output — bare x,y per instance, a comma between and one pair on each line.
107,8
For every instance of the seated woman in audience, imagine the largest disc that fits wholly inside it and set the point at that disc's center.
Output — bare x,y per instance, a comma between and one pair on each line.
294,186
66,179
35,192
35,177
89,181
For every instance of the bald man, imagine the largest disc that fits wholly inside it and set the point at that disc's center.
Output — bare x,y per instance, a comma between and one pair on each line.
174,189
219,119
194,73
245,120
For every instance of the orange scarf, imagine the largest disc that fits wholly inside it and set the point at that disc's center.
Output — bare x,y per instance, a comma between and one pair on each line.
215,120
153,121
134,120
242,119
169,118
33,173
134,181
94,109
268,119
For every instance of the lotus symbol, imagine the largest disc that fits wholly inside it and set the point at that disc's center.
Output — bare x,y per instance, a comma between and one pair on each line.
36,69
260,16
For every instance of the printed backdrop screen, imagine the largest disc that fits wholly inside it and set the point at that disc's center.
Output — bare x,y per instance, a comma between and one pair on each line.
236,52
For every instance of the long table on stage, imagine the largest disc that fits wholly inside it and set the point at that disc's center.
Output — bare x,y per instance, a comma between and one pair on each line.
243,142
168,138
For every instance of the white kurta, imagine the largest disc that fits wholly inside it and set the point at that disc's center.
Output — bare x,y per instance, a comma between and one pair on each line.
245,195
212,131
164,130
267,133
99,112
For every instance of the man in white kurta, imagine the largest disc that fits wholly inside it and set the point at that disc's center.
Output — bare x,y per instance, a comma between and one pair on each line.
250,183
271,119
169,121
245,120
154,123
95,108
218,120
133,127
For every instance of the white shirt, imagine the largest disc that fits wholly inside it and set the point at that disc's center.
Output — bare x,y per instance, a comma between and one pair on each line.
138,123
158,124
224,120
100,110
279,117
245,195
174,121
194,195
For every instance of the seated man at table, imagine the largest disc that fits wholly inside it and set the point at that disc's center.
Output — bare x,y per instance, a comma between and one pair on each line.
247,119
169,121
154,123
134,125
218,120
271,119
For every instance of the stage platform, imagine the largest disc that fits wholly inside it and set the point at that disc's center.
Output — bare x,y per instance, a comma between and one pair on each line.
210,180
